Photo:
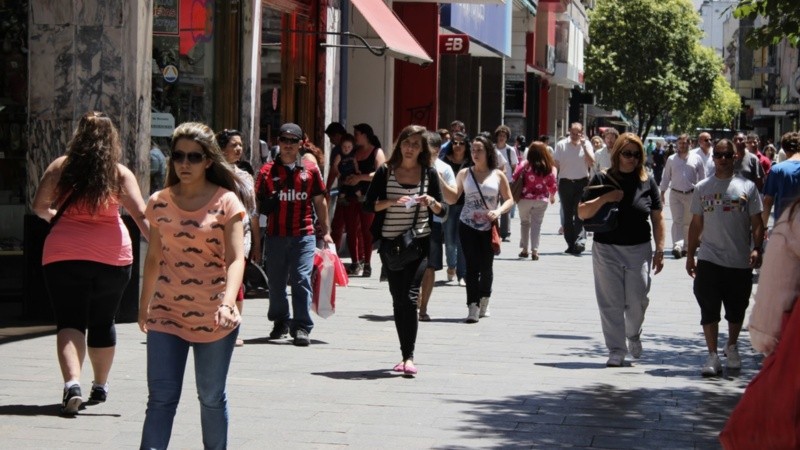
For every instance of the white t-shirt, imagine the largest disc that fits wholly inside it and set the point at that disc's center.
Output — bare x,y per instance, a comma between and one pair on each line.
571,164
446,172
708,161
726,206
504,153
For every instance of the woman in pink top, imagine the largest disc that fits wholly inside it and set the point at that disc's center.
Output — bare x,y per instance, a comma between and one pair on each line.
540,187
192,275
87,255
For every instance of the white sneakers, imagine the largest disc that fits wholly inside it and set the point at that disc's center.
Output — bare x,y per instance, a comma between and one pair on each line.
734,360
473,315
484,311
635,347
712,367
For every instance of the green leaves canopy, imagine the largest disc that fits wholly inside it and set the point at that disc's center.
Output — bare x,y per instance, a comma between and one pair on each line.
783,21
645,58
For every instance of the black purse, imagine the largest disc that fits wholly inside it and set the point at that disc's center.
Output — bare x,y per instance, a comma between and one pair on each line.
398,252
606,218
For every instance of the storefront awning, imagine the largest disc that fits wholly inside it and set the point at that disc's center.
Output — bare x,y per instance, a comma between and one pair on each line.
398,40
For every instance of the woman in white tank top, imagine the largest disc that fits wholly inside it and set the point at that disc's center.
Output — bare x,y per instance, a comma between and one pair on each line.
481,185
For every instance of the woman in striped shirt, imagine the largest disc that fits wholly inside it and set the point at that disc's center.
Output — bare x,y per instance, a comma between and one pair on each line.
403,193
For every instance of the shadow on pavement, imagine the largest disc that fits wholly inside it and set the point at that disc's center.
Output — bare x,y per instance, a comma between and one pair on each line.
602,416
568,337
376,318
356,375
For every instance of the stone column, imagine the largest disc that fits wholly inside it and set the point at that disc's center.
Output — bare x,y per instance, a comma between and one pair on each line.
89,55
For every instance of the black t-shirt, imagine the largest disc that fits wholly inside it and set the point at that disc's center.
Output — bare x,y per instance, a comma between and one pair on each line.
639,199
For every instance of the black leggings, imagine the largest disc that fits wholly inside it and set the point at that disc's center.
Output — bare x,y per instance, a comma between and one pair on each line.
86,295
404,286
478,254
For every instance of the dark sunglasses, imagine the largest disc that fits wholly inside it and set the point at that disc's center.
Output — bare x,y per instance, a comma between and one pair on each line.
725,155
193,157
458,143
288,140
630,155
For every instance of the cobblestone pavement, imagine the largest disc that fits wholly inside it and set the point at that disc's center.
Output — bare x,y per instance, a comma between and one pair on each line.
531,376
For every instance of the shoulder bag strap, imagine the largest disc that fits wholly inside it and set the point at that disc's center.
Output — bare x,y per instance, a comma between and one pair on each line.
61,209
421,192
478,185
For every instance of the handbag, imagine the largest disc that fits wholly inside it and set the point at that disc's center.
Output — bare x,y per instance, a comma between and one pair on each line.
404,249
496,240
518,184
255,281
766,416
606,218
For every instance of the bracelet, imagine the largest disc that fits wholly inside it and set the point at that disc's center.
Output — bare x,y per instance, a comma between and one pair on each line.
659,252
230,309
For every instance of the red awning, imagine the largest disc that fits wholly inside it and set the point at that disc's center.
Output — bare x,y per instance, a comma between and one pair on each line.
398,40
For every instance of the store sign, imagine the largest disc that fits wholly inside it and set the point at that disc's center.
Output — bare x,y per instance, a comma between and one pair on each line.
162,124
165,16
488,24
453,44
785,107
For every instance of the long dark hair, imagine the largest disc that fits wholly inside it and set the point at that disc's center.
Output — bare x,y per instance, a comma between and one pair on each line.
366,129
424,157
219,172
491,153
539,159
90,171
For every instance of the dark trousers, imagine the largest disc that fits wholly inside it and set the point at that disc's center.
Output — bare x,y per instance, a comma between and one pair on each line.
477,246
570,192
404,287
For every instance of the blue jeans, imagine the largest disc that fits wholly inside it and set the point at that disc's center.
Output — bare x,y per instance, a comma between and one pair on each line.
166,363
290,260
452,244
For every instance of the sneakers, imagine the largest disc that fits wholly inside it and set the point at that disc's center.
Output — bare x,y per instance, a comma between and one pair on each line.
712,366
367,271
451,274
473,315
462,282
98,395
356,269
734,360
301,338
72,400
677,252
484,308
279,330
615,360
635,347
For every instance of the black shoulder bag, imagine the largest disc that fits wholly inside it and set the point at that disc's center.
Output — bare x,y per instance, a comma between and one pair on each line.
404,249
606,218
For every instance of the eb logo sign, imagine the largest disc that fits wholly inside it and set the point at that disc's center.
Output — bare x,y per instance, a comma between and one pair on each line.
454,44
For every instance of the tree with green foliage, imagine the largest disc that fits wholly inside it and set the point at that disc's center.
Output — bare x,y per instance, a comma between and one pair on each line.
717,111
782,21
644,58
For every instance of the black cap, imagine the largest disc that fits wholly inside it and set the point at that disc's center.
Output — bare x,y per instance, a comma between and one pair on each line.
292,129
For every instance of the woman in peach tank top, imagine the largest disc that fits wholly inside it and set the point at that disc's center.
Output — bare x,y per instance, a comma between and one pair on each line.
87,254
192,275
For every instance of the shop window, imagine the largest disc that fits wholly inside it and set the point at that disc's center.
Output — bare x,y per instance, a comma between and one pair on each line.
270,118
13,136
183,59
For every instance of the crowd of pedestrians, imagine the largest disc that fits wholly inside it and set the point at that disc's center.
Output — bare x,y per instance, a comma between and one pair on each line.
442,199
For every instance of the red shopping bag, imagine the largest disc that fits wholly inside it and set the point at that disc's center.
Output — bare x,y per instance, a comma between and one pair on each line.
323,284
767,414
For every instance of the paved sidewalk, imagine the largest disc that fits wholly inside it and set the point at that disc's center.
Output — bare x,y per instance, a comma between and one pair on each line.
531,376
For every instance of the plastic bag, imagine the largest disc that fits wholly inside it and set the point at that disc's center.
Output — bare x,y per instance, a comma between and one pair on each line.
328,272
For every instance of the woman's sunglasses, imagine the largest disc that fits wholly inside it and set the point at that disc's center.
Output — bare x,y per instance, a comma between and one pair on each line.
193,157
630,155
458,143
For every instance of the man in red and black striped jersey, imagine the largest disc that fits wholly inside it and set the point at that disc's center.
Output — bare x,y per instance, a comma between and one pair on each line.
291,193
